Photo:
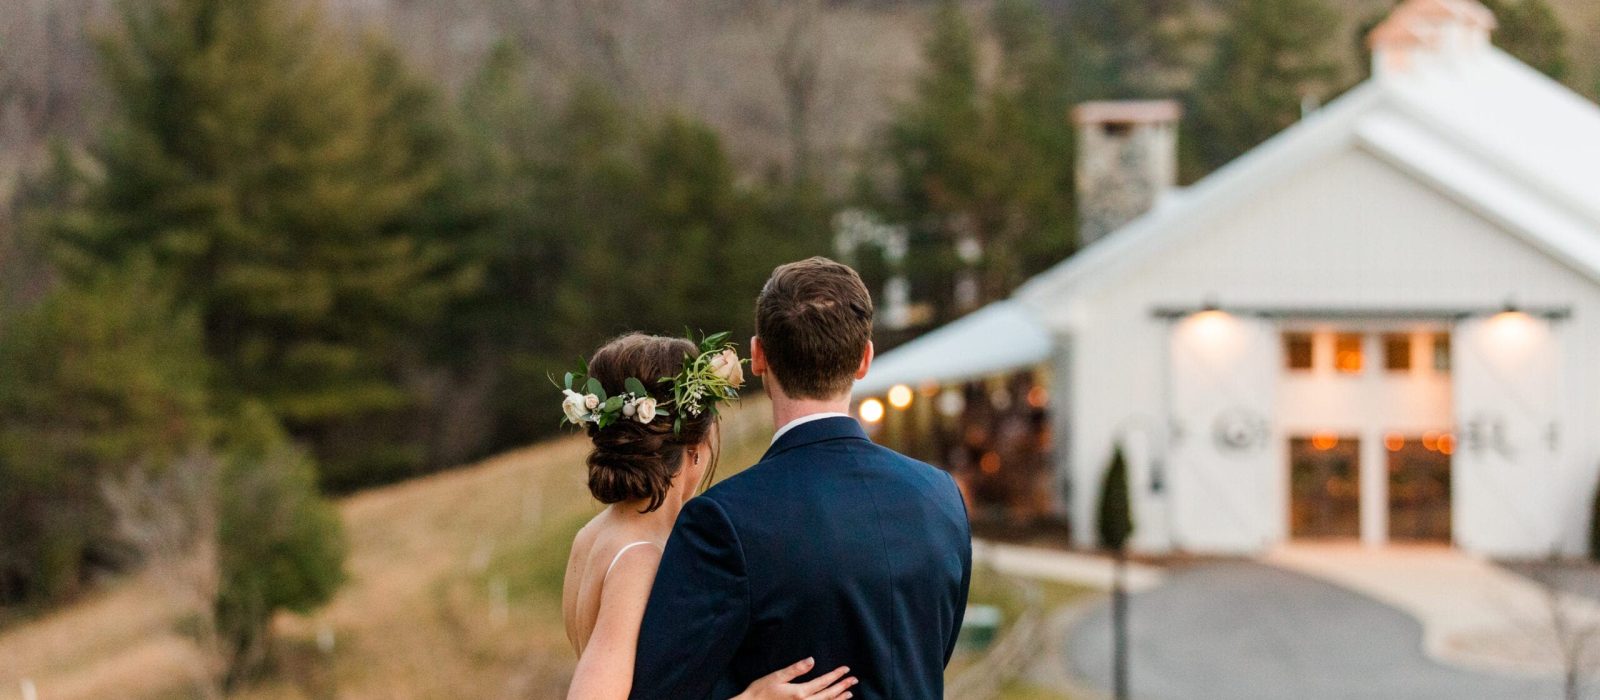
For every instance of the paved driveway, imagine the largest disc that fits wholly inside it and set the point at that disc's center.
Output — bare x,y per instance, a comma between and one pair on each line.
1245,631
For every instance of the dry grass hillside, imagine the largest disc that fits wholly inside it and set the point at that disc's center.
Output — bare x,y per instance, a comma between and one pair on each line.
454,593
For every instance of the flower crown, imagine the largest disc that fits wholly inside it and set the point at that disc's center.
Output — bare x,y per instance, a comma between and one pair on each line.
708,378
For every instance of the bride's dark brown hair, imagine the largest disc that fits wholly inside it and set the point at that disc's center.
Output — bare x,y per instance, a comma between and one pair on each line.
638,461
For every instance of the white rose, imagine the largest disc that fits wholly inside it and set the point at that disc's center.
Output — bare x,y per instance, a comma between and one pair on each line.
591,402
644,410
728,367
573,406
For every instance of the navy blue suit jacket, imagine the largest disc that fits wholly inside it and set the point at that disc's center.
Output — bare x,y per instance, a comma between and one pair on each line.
831,547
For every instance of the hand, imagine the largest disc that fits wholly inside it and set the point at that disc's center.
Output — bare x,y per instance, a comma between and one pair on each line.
776,685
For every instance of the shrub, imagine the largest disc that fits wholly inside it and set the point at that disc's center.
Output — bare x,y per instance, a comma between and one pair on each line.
281,546
1116,512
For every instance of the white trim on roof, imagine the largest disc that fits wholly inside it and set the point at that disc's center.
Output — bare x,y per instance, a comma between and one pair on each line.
1001,337
1474,132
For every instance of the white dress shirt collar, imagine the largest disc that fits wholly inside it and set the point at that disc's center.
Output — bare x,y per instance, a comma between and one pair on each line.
802,420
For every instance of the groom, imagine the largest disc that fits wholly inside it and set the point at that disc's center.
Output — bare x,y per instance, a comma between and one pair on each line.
831,547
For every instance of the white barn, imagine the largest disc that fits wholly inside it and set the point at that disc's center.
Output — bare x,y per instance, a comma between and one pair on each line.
1383,324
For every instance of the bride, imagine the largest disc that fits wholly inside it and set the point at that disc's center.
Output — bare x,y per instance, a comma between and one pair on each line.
650,455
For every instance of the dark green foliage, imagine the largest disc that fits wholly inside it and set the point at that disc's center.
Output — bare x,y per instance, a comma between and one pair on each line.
600,220
1532,32
1121,49
989,162
97,377
281,546
1594,527
1272,55
1115,519
277,182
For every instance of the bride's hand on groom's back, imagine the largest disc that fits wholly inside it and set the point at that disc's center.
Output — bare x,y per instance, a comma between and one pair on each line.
777,686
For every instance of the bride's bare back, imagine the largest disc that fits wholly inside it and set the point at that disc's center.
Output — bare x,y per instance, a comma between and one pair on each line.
611,562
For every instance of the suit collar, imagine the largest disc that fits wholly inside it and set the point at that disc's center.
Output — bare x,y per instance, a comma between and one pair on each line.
812,432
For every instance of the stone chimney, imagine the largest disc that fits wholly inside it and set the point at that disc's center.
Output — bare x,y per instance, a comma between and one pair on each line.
1420,34
1127,159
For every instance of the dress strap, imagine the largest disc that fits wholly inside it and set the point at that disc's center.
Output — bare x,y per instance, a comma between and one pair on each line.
623,551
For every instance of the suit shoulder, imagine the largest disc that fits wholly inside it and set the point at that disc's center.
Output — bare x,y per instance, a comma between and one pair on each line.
915,468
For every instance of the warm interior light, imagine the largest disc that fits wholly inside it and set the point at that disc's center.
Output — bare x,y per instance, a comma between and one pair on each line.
1325,441
1347,356
1394,442
1430,441
990,463
900,396
871,410
1447,443
1038,396
951,403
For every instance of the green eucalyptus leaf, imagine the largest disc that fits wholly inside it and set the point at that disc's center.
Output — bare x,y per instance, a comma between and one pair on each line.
635,387
593,387
613,404
569,381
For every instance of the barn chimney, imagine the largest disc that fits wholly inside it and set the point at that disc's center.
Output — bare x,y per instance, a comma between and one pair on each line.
1127,159
1423,33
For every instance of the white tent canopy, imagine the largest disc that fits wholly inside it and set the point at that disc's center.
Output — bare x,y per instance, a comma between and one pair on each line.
1000,337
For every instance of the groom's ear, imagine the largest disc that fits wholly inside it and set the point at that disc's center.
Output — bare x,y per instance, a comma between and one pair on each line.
758,357
866,362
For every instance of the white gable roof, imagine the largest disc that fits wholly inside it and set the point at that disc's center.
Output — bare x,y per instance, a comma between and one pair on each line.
1496,135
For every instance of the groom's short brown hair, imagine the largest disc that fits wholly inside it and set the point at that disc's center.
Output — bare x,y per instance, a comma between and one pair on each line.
814,318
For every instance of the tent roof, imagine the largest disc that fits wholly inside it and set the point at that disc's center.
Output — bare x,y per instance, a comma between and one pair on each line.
1000,337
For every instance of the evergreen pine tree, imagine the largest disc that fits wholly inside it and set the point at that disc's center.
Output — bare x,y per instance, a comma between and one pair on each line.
1115,520
1272,55
985,163
1124,49
98,376
274,178
1532,32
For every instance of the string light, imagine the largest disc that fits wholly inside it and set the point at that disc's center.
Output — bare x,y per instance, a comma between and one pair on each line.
871,410
900,396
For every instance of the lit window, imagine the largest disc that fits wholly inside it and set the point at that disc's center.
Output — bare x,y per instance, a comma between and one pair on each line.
1397,352
1441,352
1297,351
1347,353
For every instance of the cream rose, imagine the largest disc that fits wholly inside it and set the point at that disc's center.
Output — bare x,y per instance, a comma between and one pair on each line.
727,366
644,410
591,402
574,406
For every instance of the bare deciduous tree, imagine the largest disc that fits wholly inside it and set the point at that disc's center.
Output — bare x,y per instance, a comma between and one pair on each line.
798,65
170,516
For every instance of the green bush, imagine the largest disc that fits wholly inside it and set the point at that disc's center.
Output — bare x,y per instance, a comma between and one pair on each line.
282,547
1116,512
1594,527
